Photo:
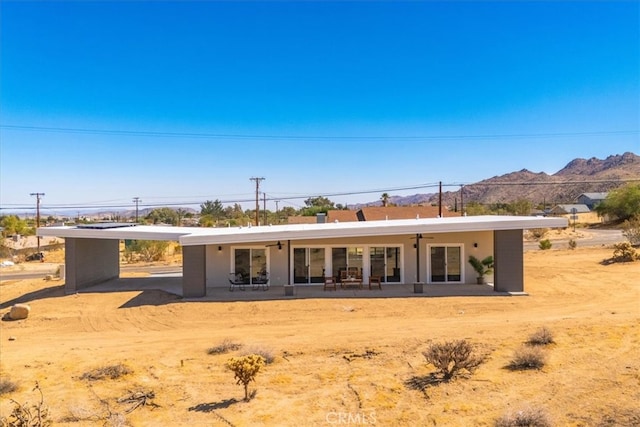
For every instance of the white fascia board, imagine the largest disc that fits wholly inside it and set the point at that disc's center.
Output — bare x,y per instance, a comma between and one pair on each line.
192,236
367,229
138,232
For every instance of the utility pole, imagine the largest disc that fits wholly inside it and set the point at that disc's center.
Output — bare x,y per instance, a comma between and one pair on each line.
264,207
257,180
461,200
440,202
38,195
136,200
277,212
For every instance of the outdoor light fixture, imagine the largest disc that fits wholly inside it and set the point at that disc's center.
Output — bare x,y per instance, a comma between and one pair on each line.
219,248
475,245
279,245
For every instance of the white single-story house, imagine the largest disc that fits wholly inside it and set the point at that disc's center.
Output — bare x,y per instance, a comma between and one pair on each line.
428,250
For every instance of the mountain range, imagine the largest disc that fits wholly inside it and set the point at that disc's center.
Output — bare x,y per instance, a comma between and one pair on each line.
577,177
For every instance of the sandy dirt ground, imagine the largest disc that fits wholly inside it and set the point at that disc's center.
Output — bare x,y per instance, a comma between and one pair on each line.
335,361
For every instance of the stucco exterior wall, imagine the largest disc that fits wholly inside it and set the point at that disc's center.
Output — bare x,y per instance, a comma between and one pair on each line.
90,261
219,262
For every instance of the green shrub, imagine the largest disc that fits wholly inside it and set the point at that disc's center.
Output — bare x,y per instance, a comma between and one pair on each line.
572,244
545,244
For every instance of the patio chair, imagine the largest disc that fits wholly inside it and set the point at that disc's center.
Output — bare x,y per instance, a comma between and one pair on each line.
261,282
330,283
236,280
374,281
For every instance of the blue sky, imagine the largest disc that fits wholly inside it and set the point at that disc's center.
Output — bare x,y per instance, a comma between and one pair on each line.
185,101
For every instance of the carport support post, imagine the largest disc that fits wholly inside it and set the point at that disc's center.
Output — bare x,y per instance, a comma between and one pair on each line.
194,271
508,261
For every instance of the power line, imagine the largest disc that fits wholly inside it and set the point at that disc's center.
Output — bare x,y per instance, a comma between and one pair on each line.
282,198
154,134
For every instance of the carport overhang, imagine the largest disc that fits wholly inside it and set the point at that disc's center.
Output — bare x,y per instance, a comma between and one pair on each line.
92,252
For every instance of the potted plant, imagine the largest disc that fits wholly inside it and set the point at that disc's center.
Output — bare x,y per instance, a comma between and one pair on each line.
482,267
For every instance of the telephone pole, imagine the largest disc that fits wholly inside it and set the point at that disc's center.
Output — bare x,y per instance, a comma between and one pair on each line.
38,196
136,200
257,180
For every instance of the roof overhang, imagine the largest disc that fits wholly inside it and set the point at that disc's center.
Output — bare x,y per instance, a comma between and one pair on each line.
192,236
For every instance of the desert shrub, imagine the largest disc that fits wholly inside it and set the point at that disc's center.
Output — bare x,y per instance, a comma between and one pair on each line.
266,353
631,230
225,346
112,371
529,417
452,358
537,233
145,250
245,369
527,358
572,244
542,336
624,252
620,417
7,386
25,415
545,244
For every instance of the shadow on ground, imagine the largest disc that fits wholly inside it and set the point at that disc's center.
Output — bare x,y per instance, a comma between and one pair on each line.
210,407
50,292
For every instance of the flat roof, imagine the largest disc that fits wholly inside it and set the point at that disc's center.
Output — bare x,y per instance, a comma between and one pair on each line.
192,236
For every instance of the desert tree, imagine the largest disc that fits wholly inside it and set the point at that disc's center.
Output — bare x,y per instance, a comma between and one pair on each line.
622,203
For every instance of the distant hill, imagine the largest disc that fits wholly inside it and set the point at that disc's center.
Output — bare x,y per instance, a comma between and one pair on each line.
577,177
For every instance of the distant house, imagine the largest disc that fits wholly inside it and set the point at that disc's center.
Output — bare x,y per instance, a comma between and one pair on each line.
375,213
569,209
592,199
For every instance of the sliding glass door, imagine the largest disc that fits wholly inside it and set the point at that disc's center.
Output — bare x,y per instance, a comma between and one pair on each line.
445,264
308,265
249,263
385,263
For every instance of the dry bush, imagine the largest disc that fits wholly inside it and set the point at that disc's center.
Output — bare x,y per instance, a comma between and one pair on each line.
266,353
572,244
529,417
25,415
7,386
225,346
527,358
631,230
542,336
617,417
245,369
537,233
112,371
452,358
624,252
